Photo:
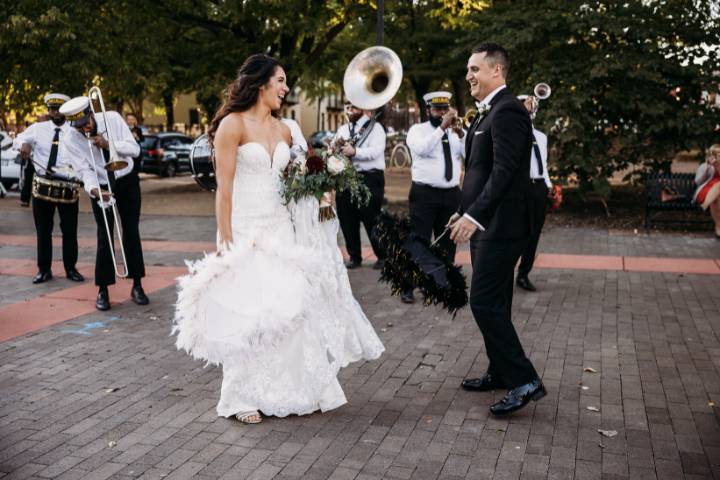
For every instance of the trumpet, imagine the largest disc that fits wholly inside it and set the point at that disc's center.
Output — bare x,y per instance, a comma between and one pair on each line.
112,165
542,91
465,121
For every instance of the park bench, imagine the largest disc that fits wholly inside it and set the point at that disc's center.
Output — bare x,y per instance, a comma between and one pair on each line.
671,192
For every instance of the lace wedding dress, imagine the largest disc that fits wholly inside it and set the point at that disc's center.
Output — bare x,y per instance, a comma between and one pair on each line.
267,309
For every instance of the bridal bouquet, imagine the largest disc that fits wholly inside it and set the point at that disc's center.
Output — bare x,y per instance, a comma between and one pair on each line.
317,173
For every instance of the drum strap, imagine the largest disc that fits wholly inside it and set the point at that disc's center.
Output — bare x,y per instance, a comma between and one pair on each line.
53,151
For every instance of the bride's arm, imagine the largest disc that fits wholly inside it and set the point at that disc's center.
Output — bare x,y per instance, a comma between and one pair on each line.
226,142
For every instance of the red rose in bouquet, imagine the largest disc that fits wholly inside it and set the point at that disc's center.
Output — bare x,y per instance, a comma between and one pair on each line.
315,164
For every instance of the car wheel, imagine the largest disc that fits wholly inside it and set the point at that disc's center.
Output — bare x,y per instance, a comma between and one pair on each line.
170,169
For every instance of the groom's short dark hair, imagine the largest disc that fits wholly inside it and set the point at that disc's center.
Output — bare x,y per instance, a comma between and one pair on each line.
495,54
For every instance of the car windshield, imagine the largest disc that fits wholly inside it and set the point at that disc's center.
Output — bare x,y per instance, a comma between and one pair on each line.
149,142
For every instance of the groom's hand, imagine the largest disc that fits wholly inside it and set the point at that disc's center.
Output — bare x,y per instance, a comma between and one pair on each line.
455,217
462,230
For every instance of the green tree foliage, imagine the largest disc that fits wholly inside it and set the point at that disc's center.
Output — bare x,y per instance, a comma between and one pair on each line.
627,78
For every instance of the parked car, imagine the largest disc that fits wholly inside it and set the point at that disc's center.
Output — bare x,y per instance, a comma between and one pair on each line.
320,139
9,161
166,153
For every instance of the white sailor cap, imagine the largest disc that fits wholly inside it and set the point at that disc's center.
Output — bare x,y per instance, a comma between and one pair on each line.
54,100
437,99
77,111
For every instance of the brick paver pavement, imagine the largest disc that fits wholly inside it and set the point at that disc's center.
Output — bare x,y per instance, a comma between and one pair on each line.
106,395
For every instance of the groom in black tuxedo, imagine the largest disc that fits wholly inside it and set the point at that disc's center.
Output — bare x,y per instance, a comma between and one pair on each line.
496,217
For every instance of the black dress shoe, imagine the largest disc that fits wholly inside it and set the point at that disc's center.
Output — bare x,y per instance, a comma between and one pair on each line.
138,296
407,297
103,300
378,265
483,384
518,397
74,275
525,284
350,264
42,277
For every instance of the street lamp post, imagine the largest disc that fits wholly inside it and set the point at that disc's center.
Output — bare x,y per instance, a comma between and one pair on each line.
380,26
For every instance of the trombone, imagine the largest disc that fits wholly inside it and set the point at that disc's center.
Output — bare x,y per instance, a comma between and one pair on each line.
113,164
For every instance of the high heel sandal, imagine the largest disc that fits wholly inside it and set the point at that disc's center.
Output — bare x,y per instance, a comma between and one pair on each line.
249,417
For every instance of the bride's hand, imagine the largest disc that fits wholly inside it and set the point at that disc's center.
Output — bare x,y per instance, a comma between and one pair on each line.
223,246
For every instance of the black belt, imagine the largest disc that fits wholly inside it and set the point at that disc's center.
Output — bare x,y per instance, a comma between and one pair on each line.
372,170
537,180
426,185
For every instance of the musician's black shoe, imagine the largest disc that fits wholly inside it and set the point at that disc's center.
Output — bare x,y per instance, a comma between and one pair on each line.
407,296
379,264
42,277
102,302
74,275
350,264
518,397
525,283
138,296
485,383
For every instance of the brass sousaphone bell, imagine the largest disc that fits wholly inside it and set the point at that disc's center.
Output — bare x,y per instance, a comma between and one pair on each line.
372,78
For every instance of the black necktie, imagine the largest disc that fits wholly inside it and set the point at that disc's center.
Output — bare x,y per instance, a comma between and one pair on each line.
352,130
536,149
448,158
53,152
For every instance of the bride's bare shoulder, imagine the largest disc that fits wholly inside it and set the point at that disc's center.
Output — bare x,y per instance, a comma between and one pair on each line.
284,130
232,126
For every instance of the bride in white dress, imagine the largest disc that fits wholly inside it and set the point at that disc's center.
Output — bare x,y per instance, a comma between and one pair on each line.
266,305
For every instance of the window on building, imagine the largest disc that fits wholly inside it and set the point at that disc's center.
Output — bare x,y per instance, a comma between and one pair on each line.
322,121
292,114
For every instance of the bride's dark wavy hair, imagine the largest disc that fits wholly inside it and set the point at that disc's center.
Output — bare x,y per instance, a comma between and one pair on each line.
242,93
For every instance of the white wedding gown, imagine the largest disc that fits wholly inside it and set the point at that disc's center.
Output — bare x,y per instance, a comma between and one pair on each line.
276,310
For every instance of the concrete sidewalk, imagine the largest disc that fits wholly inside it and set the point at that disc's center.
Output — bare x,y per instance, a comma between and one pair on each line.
106,395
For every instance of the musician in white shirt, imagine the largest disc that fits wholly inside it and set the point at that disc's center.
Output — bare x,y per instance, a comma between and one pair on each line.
362,140
437,148
87,146
42,140
540,188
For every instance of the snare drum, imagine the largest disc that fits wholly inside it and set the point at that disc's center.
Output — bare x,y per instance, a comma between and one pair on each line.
202,163
55,189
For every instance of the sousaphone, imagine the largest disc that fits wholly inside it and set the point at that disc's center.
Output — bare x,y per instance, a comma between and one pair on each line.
372,78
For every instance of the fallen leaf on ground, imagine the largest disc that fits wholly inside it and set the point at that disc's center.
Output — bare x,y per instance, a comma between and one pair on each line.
607,433
601,445
711,403
584,387
592,409
112,444
589,370
154,317
390,324
112,389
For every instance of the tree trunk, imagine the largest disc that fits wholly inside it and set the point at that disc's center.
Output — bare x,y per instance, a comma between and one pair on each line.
420,87
459,89
169,111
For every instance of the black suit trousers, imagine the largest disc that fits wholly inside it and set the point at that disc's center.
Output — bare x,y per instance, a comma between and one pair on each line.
350,215
127,196
491,293
44,216
430,210
539,195
26,187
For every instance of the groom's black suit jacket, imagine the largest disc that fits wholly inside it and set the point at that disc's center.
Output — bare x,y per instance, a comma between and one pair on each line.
496,188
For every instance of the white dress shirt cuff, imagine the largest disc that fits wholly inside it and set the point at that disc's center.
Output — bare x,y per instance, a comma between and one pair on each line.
482,229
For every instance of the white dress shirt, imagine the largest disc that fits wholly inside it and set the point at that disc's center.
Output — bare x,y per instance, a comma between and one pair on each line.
370,155
299,144
541,140
428,157
40,137
75,145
